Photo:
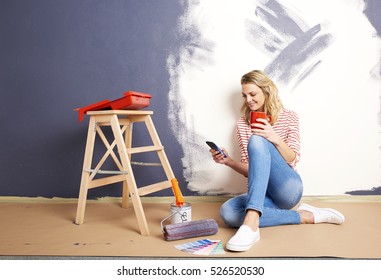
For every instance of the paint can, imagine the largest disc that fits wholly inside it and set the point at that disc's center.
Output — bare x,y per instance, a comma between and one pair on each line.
181,214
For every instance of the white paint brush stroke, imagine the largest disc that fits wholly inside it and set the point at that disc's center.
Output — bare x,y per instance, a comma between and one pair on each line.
338,104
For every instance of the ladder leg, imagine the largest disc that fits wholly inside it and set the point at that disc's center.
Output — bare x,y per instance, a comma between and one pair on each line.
128,143
125,195
156,140
137,204
85,179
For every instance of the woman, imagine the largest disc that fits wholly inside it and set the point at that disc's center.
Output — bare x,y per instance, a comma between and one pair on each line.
270,152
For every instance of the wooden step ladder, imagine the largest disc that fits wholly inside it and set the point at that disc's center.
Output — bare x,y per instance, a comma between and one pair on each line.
121,122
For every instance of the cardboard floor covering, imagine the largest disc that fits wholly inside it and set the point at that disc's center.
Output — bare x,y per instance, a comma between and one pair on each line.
47,229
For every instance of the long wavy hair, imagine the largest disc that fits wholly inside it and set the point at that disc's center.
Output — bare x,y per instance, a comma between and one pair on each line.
273,104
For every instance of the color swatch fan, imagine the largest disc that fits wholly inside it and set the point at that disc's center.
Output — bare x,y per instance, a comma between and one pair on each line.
204,247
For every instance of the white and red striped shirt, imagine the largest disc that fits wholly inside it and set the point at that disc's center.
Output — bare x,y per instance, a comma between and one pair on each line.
287,127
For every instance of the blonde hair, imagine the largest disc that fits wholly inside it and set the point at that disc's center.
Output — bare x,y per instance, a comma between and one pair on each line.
273,104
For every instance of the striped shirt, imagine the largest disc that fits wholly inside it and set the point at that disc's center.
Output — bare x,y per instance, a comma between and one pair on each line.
287,127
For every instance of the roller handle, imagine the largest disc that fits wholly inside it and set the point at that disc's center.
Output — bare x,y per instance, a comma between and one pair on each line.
176,190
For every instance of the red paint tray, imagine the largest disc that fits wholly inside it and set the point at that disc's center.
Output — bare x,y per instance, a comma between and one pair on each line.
131,100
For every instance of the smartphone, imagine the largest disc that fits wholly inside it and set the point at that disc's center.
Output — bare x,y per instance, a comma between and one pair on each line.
215,147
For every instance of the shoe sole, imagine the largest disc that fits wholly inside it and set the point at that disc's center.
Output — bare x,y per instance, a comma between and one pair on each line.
237,248
309,208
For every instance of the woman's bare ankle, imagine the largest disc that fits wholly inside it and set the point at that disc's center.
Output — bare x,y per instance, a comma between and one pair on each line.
306,217
252,219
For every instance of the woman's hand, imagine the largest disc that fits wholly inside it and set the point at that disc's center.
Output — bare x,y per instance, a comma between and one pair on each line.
218,157
240,167
265,130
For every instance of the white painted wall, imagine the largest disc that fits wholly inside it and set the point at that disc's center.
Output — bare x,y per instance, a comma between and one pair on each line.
338,103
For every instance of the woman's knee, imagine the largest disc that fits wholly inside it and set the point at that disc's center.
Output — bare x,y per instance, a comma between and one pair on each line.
257,142
231,213
225,213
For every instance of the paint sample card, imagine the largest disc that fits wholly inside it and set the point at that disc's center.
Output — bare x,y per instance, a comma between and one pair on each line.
218,249
204,247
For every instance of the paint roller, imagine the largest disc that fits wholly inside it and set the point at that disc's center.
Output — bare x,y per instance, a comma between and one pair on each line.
186,229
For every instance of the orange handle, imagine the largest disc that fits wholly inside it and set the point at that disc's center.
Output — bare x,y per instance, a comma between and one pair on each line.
176,190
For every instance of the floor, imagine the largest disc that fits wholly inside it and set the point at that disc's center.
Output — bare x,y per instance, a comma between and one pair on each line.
44,228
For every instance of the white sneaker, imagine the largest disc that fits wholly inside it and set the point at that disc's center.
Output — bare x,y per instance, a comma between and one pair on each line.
323,215
244,238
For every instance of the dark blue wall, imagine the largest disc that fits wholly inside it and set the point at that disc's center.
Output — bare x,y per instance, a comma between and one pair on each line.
57,55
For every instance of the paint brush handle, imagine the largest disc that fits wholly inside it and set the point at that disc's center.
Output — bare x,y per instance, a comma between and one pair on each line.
177,192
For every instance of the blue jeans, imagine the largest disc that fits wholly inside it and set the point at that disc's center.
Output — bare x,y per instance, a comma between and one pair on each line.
273,188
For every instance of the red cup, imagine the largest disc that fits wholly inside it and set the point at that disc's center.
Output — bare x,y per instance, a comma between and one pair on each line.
254,115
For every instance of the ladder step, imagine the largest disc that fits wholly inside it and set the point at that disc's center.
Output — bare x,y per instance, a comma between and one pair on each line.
154,188
144,149
106,181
